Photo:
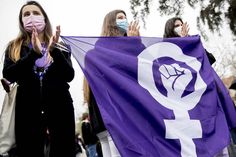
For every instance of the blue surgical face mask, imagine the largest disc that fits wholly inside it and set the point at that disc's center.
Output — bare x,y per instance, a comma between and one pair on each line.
123,24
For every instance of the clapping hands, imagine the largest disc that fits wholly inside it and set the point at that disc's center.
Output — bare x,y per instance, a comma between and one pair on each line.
55,38
36,44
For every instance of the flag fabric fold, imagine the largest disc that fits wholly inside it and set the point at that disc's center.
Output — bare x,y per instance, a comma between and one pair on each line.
157,97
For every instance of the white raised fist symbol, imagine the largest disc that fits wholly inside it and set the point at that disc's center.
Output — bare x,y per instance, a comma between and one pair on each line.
175,79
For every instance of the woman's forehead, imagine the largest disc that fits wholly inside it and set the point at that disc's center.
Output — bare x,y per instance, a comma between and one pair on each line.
120,14
30,8
178,22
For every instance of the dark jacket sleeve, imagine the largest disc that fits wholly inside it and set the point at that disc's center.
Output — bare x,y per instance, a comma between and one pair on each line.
210,56
62,59
13,70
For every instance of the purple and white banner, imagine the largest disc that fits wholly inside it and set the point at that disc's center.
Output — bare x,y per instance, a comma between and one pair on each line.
157,97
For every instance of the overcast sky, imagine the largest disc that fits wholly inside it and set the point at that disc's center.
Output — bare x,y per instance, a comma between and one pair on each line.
82,18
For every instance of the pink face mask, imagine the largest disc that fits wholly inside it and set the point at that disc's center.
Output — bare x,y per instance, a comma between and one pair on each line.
34,20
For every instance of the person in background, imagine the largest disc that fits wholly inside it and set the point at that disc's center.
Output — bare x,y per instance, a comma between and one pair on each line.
80,147
42,68
89,137
115,24
175,27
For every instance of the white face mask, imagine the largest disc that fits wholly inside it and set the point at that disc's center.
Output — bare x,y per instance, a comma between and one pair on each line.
178,30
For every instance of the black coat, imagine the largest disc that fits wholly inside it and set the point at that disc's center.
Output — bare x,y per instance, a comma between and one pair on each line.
88,135
95,115
42,105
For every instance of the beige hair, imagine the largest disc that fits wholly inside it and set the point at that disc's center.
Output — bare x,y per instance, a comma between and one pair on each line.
86,91
109,28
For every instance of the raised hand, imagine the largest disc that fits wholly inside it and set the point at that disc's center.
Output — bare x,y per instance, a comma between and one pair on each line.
133,29
36,44
55,38
185,30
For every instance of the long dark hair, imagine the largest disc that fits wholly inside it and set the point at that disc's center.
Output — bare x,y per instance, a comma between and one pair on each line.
169,27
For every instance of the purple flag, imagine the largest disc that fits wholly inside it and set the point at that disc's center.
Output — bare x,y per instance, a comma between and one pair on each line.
158,97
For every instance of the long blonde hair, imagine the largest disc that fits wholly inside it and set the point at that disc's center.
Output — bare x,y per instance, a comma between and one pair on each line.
109,28
23,37
86,91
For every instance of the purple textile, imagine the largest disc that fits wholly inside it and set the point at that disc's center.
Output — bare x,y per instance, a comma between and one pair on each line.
158,97
44,60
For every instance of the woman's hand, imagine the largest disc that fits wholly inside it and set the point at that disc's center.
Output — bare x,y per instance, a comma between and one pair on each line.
185,30
6,84
133,29
54,39
36,44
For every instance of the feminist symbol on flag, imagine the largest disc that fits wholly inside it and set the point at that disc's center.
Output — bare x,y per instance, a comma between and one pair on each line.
174,79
